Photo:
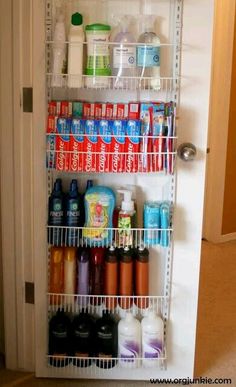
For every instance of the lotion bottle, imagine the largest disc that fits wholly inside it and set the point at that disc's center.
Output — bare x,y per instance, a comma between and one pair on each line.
129,341
152,339
75,51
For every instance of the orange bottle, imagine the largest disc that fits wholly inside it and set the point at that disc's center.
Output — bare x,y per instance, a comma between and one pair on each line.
111,277
142,277
56,275
126,278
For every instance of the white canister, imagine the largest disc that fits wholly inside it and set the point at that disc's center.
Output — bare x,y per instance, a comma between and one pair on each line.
98,56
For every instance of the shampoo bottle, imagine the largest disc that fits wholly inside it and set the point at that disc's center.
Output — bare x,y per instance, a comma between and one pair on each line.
56,214
83,339
96,272
69,273
129,341
152,339
142,277
59,340
126,278
56,281
124,56
83,275
75,51
106,341
111,277
59,51
148,57
72,215
126,220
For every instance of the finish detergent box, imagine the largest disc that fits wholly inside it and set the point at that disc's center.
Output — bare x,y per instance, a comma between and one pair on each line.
63,144
133,132
77,145
90,145
104,146
118,145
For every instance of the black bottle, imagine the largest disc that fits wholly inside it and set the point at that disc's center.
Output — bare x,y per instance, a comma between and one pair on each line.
106,341
56,214
82,339
59,340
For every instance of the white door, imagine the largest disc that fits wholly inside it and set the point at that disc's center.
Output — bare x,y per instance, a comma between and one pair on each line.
175,274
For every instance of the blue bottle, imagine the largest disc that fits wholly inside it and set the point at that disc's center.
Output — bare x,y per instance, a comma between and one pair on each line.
165,224
72,215
151,220
56,214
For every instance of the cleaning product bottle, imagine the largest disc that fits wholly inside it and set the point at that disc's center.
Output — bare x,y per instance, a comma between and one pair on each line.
129,341
126,220
59,340
124,56
165,224
56,281
59,51
151,221
83,274
148,57
97,255
111,277
152,339
56,214
69,273
99,207
82,339
75,51
82,207
72,214
126,278
142,277
106,341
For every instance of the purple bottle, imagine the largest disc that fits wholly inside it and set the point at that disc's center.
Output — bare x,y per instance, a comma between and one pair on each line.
83,276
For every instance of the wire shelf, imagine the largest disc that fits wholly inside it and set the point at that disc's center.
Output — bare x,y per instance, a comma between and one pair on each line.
95,304
105,237
165,84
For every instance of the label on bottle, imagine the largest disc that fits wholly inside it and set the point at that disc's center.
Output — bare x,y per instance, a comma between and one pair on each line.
152,345
124,226
56,214
60,335
73,213
82,335
129,348
124,57
148,56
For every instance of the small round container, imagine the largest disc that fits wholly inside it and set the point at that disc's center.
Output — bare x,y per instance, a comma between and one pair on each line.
98,56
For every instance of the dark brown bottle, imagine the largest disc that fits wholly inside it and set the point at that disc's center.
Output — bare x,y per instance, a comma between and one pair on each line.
126,278
142,277
111,277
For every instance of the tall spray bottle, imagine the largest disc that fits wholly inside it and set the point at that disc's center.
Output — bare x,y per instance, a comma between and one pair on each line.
124,54
75,51
56,214
59,50
148,56
72,214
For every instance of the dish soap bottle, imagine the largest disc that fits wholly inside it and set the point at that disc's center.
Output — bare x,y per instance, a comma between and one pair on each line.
75,51
59,51
148,57
124,56
126,220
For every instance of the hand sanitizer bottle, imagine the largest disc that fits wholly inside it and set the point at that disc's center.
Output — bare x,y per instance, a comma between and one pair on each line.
148,57
124,56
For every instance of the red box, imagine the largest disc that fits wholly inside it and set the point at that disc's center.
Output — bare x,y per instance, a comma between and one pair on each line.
66,109
52,124
97,110
88,110
90,146
104,106
54,108
109,111
132,144
122,111
134,111
117,146
63,144
77,145
104,146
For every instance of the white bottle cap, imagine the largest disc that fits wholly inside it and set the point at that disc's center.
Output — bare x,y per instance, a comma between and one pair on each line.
127,204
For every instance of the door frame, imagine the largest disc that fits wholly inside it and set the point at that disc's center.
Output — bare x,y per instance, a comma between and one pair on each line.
223,40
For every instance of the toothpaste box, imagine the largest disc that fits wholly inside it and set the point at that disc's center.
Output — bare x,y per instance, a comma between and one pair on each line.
104,146
66,109
88,110
54,108
133,131
90,146
134,110
109,111
51,142
120,111
118,128
77,109
77,145
63,144
98,110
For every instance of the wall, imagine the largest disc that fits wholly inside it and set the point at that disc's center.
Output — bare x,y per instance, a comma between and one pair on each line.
229,211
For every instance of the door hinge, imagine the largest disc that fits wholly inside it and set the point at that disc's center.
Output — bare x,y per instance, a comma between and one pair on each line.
27,99
29,292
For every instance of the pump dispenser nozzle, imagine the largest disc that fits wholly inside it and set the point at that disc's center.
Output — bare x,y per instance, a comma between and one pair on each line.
127,204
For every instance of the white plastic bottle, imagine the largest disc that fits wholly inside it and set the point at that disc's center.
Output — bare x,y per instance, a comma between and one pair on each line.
148,57
124,57
75,51
59,52
152,339
129,341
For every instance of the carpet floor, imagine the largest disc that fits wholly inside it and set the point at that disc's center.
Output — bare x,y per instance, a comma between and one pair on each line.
216,330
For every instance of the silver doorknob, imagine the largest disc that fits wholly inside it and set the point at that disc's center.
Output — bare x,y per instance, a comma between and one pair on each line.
187,151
